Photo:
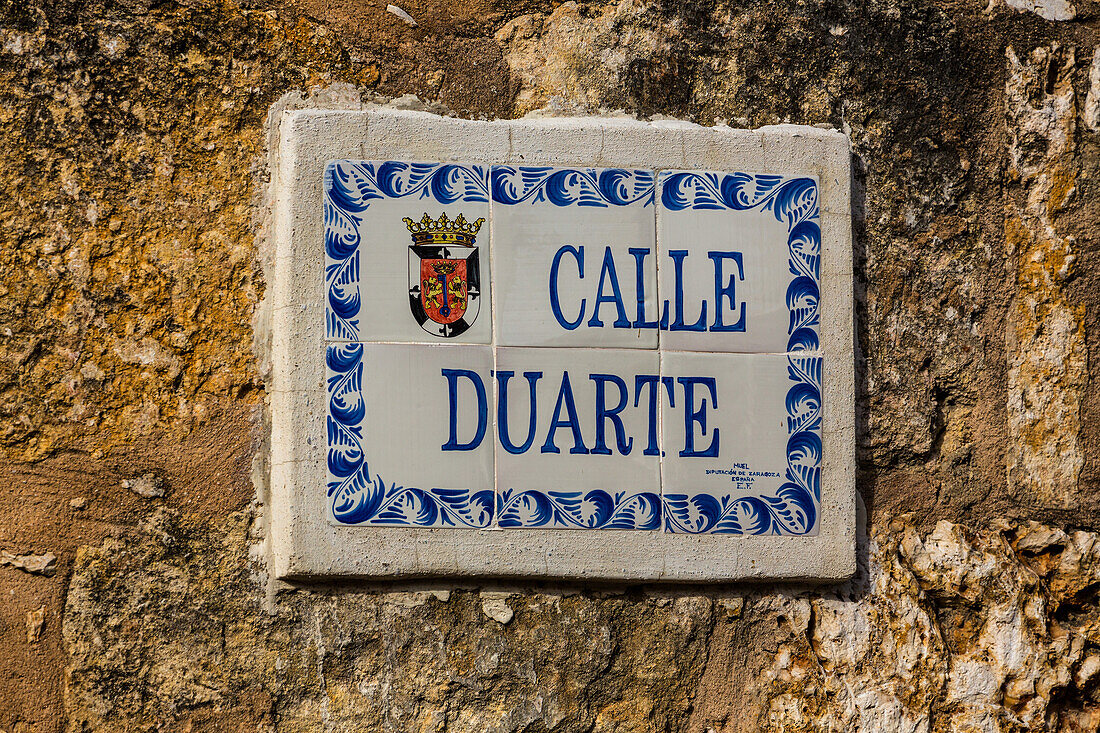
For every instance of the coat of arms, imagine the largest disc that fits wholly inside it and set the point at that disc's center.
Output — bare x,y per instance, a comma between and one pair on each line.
444,276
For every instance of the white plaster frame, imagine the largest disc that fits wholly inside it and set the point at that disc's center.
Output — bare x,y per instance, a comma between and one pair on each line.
304,544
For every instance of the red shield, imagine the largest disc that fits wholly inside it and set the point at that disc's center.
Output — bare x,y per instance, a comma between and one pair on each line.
443,289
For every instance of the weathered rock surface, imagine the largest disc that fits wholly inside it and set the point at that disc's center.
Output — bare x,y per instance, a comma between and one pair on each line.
44,564
1046,9
945,630
1046,334
133,145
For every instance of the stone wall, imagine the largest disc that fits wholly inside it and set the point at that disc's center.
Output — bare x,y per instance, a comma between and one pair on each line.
133,158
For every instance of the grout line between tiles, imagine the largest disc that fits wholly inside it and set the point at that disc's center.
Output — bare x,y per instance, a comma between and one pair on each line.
661,437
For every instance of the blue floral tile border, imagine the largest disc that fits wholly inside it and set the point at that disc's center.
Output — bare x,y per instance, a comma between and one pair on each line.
349,189
793,201
356,497
590,509
595,187
793,509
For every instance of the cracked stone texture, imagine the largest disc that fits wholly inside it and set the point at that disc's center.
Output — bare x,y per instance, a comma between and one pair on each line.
133,139
942,630
1046,334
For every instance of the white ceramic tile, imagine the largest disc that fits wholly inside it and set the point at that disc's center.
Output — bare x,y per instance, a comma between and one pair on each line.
574,257
739,261
590,460
742,443
380,283
410,435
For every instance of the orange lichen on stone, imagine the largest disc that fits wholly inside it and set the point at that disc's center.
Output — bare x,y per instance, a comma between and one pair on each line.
1047,354
129,275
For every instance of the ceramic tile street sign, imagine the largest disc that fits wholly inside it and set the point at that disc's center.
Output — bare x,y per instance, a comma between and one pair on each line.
582,348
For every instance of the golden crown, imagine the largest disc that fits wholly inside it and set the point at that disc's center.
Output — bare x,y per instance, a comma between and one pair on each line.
444,230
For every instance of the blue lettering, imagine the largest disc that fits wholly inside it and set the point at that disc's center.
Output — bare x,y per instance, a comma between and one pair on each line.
609,410
678,256
502,410
608,272
623,443
640,254
565,396
650,380
726,291
452,376
693,416
578,255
